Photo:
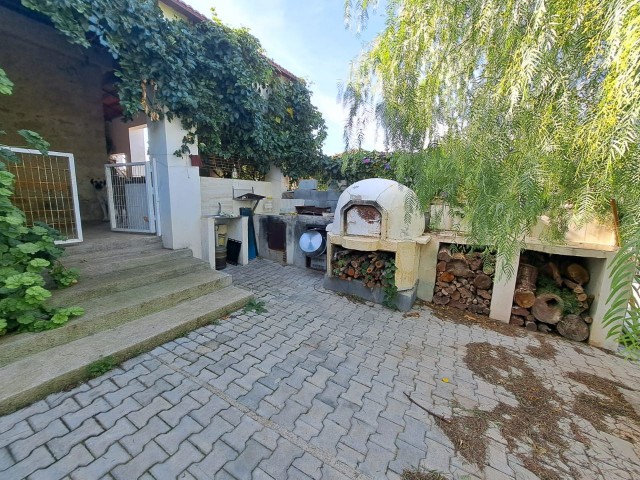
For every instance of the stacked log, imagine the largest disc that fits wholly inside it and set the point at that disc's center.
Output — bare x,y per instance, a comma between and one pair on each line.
545,311
367,267
464,281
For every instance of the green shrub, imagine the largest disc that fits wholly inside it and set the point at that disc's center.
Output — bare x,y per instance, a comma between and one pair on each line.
26,253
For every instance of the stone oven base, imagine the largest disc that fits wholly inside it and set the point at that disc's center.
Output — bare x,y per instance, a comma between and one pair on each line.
404,298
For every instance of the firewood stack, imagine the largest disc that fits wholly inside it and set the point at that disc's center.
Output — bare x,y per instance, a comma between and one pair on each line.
368,267
464,281
542,295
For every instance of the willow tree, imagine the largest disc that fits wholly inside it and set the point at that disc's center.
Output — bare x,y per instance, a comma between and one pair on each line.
534,107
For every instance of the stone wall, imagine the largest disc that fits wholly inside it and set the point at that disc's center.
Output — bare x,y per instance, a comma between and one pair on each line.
58,94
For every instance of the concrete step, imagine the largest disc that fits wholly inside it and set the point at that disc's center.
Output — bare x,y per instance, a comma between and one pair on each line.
115,309
35,376
82,257
91,266
114,244
118,281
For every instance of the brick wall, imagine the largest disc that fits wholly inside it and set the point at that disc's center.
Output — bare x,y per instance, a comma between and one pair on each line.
58,94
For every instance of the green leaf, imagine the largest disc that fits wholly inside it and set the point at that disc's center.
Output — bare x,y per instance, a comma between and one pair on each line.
29,248
39,263
34,140
6,85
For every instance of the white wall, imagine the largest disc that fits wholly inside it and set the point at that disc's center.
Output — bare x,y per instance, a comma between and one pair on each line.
214,190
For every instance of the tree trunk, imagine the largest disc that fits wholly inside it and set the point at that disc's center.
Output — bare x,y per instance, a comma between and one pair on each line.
547,308
482,281
527,276
532,326
444,255
578,273
574,328
555,273
446,277
524,298
517,321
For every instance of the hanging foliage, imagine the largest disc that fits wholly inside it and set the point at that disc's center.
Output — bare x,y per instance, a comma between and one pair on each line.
27,253
535,106
216,79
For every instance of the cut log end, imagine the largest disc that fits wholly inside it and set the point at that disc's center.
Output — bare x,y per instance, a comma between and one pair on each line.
524,298
547,308
574,328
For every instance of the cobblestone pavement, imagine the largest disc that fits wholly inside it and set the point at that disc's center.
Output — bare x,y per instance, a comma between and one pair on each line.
312,388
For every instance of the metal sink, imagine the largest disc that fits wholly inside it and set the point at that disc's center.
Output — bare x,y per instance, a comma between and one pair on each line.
222,219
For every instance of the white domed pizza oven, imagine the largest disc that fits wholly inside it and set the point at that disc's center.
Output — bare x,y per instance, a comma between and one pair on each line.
379,215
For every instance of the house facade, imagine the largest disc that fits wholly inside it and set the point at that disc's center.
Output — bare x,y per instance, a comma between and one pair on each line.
67,94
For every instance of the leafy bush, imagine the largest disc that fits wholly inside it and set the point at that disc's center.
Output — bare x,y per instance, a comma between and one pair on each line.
214,78
26,253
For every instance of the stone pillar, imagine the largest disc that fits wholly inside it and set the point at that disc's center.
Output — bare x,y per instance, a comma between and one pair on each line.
278,185
600,287
503,288
178,187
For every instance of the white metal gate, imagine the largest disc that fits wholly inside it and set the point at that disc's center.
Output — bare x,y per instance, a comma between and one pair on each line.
46,191
131,197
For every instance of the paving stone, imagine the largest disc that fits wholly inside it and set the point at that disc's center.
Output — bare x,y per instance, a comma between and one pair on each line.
40,420
358,435
309,465
243,466
19,431
205,439
254,396
355,393
9,421
99,468
146,396
21,449
209,410
330,473
185,455
331,371
237,438
348,455
438,457
60,446
171,440
283,456
77,457
407,457
87,397
267,437
135,443
172,416
141,417
289,414
175,395
208,468
328,437
331,393
37,459
376,461
150,455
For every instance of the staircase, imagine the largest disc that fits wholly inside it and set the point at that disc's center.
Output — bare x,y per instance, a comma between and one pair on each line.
136,295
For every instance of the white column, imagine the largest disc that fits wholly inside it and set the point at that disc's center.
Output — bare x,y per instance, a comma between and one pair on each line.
178,187
503,288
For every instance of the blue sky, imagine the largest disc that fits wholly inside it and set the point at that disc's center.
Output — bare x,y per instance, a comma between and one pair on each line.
309,39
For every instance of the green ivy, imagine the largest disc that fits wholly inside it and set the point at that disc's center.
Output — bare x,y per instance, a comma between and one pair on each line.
26,253
216,79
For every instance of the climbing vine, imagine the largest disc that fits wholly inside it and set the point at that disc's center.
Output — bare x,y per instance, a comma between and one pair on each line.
27,254
214,78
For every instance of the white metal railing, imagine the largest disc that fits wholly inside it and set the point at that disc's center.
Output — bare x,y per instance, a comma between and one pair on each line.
131,197
46,190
